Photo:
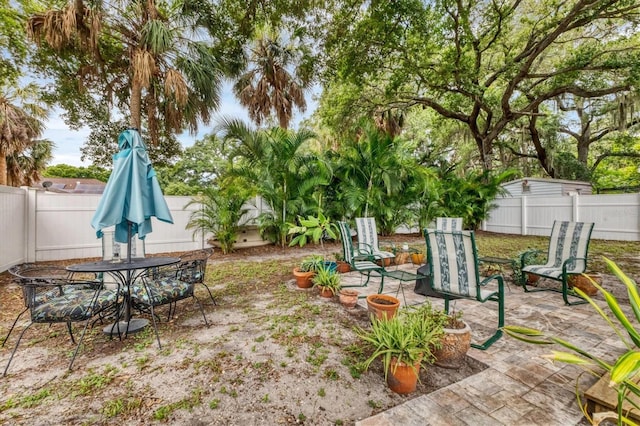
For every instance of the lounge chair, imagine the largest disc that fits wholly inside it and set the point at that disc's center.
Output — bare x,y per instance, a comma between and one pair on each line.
566,256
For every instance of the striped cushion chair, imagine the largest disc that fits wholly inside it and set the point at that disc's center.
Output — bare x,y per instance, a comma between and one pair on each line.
566,256
453,261
449,223
363,262
368,238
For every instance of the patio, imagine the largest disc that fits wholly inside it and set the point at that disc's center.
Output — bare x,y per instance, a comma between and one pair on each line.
518,387
247,367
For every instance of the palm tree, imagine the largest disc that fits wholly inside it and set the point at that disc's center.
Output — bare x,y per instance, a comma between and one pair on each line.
142,56
21,115
267,86
25,168
377,177
288,179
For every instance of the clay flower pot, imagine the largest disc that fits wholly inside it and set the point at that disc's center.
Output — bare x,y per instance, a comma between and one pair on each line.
532,278
348,298
403,378
343,267
382,306
303,279
325,292
455,345
417,258
584,284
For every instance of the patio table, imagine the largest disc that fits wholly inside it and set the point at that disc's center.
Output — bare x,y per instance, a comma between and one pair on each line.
125,273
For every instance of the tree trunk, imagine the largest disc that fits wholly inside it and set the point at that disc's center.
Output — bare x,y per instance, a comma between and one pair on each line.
135,105
3,167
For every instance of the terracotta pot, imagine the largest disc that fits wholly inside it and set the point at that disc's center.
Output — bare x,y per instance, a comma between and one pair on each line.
455,345
303,279
343,267
403,378
325,292
532,278
384,262
417,258
583,283
348,298
382,306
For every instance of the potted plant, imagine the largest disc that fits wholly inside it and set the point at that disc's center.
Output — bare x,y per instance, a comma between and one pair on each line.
307,269
525,258
417,256
382,306
342,265
403,343
327,280
452,349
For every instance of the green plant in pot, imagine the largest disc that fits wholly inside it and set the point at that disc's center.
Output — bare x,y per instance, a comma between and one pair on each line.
525,258
327,280
307,269
403,343
623,370
456,337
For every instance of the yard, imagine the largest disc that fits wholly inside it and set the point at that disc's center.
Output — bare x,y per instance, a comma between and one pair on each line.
272,355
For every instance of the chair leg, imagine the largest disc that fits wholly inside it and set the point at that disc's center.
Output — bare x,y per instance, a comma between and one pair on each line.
565,295
498,334
84,330
210,294
13,325
70,332
201,310
15,349
155,326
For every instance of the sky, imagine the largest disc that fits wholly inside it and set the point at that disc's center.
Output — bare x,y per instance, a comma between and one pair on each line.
68,142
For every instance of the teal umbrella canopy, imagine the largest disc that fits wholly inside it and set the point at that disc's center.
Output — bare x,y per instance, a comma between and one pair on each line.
132,195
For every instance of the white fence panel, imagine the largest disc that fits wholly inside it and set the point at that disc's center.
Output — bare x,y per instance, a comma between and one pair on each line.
616,216
13,226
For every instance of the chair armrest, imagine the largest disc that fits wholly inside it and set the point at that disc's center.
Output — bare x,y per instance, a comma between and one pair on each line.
576,260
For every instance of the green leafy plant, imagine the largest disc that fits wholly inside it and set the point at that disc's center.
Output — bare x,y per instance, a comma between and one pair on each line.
525,258
625,367
313,263
409,336
313,228
327,278
221,212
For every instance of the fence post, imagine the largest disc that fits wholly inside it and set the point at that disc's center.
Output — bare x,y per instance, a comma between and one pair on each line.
523,215
31,205
575,211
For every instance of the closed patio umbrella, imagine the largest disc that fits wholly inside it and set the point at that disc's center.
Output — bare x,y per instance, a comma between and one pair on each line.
132,195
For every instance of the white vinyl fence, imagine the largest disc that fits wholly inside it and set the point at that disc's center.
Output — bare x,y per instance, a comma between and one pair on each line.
616,216
39,226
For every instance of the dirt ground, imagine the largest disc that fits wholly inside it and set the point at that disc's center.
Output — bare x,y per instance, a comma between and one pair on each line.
272,354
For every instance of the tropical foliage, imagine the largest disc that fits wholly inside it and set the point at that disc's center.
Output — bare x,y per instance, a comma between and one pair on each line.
220,212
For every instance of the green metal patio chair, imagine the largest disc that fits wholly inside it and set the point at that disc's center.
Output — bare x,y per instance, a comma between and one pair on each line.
368,238
51,296
566,256
453,259
360,261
